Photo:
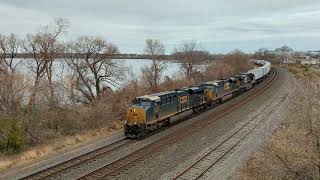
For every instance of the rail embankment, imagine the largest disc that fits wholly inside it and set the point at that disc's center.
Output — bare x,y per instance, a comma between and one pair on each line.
293,152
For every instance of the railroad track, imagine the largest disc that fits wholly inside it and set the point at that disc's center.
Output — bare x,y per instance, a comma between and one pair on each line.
113,169
76,162
201,166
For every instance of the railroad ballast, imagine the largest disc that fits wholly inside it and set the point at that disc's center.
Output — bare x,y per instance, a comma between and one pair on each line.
150,112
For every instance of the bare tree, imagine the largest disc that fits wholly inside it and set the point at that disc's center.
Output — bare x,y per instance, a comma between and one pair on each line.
9,91
9,46
44,47
56,49
238,60
154,49
190,54
94,70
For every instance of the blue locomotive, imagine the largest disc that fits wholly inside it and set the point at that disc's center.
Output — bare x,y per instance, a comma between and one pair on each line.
150,112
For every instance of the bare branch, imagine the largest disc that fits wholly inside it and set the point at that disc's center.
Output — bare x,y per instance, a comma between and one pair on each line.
190,54
90,59
152,74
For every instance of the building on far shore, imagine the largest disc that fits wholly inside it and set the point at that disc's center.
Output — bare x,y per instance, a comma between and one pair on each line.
287,55
307,60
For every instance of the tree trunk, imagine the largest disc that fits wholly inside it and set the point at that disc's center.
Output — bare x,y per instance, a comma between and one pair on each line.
51,89
33,95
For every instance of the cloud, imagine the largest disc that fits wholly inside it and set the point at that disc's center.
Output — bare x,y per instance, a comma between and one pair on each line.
20,20
214,23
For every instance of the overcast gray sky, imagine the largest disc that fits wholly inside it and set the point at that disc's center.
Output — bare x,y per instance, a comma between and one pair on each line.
220,25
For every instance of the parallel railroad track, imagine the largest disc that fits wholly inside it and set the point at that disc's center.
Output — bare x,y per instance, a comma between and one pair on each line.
201,166
78,161
113,169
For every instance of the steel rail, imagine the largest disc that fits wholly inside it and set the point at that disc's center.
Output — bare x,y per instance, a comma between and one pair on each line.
75,162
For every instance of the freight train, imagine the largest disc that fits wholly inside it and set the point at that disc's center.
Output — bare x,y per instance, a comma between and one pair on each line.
149,112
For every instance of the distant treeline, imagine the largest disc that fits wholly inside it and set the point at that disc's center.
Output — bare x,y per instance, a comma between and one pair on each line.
117,56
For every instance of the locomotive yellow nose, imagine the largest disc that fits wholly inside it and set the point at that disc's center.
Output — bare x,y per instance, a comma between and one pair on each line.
136,116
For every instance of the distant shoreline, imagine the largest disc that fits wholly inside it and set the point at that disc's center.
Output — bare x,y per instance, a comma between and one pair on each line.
115,56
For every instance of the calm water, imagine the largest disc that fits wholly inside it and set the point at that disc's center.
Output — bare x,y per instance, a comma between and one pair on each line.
133,66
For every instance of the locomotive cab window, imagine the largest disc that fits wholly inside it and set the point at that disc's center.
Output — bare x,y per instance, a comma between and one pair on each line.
145,103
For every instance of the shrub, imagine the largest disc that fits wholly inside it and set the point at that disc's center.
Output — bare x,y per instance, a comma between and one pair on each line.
303,71
12,135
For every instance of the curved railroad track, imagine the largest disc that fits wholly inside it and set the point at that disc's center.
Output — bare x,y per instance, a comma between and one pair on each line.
201,166
75,162
113,169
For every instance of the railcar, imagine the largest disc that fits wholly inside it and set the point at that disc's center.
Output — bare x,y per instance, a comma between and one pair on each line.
153,111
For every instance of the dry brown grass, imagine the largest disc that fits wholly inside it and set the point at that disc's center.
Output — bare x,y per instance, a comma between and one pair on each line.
300,71
56,146
294,150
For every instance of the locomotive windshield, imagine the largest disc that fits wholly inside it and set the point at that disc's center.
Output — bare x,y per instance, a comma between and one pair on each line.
145,103
142,102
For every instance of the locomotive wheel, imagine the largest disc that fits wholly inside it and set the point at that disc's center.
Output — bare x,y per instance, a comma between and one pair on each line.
195,110
141,135
138,135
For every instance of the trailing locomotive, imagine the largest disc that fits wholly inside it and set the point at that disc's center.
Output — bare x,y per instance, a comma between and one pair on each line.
150,112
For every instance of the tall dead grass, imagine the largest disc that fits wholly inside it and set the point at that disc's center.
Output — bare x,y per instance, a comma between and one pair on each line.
294,150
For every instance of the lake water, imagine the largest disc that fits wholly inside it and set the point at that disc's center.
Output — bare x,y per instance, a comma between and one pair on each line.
133,66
